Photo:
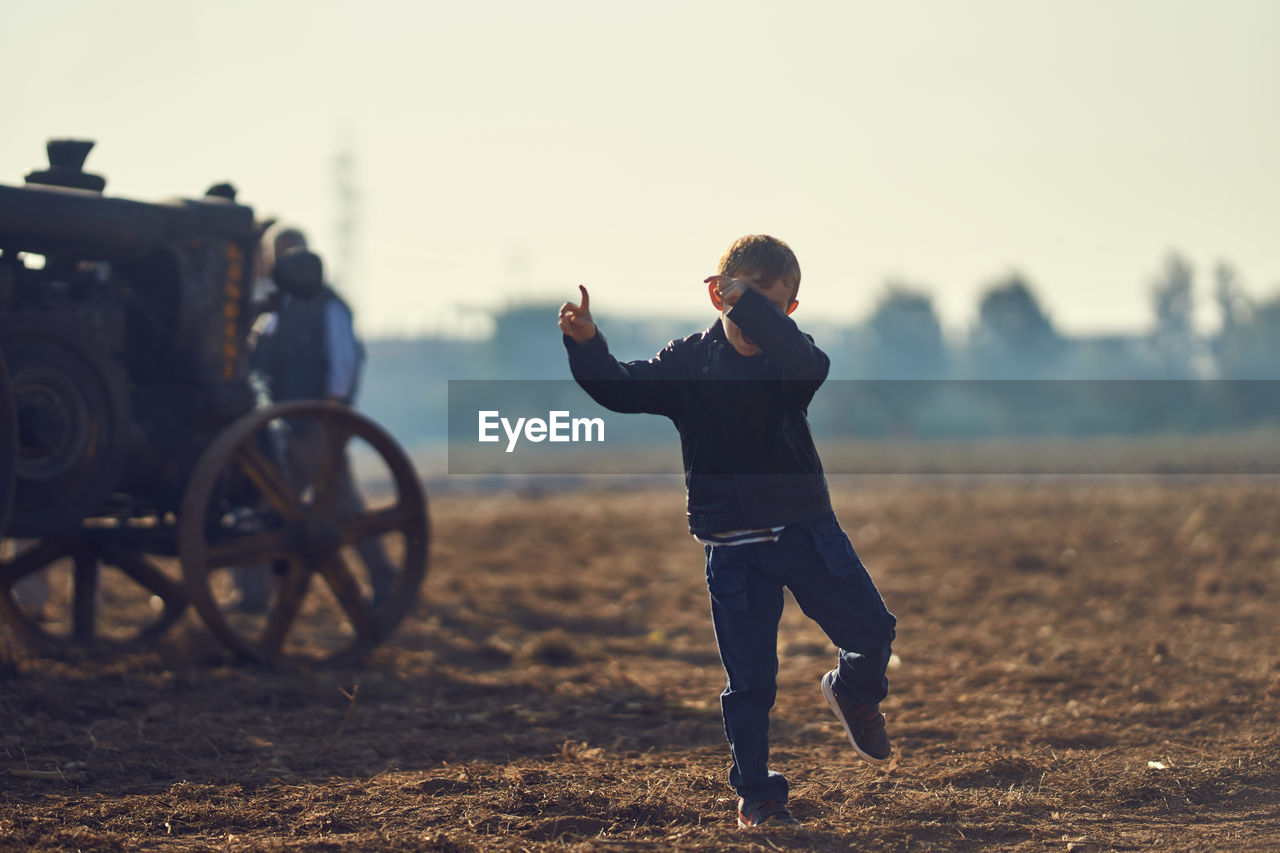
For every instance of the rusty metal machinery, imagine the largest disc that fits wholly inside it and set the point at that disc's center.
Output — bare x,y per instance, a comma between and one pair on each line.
132,438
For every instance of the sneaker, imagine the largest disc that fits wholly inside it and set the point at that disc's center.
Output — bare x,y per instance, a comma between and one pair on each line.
864,724
772,812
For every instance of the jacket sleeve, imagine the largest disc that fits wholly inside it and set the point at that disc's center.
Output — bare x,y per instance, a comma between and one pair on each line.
780,338
343,351
629,387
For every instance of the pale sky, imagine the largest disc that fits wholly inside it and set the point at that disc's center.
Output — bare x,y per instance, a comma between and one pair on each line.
507,151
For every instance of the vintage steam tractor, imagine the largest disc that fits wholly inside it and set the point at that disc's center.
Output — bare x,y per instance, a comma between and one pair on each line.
133,439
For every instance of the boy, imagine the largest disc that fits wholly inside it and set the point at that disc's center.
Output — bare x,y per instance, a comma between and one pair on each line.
757,499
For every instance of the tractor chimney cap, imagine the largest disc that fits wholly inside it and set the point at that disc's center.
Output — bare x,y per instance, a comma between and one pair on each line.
66,166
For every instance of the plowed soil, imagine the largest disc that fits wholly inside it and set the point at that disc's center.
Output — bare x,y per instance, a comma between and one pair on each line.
1088,665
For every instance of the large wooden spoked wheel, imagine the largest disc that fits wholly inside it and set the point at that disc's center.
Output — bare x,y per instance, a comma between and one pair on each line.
303,534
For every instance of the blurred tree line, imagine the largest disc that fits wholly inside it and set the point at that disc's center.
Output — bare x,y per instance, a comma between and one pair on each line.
1012,339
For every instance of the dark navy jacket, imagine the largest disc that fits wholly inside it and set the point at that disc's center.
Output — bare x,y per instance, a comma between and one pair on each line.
749,458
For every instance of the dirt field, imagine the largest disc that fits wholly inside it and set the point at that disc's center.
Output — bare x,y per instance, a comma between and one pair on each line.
1088,665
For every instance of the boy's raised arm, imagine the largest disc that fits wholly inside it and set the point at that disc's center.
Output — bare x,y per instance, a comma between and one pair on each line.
628,387
779,337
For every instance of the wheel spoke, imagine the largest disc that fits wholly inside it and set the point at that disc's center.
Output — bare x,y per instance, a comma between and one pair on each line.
347,590
267,477
147,575
251,548
369,524
32,559
329,465
156,582
84,597
292,592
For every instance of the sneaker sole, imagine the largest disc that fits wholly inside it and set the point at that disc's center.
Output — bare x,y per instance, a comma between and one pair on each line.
768,824
835,709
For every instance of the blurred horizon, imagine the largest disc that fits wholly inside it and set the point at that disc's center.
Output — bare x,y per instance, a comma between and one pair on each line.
453,161
1140,383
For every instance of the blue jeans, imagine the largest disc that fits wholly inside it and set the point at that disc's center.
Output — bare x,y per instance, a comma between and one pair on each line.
816,561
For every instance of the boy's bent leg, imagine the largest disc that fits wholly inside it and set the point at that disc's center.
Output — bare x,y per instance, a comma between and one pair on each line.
746,605
834,589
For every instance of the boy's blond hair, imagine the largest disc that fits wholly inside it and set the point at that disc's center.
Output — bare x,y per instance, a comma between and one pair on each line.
764,257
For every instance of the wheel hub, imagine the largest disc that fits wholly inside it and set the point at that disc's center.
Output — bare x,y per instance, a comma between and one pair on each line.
321,537
49,442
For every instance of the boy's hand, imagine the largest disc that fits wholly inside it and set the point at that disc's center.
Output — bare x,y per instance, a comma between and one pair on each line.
729,288
575,320
726,290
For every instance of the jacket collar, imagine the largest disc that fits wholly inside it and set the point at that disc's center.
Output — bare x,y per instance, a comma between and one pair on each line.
715,335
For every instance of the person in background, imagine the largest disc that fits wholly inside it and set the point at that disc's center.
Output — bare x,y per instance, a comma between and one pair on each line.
290,338
307,349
